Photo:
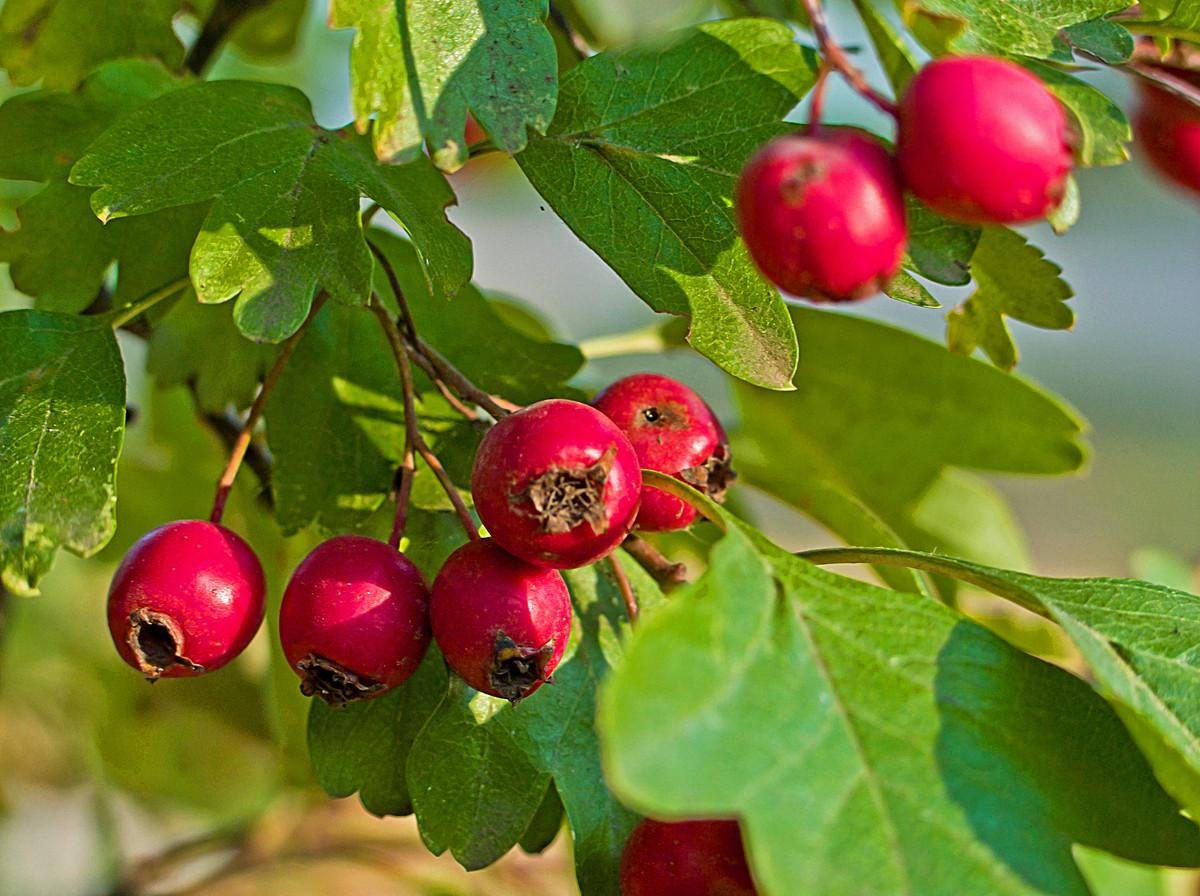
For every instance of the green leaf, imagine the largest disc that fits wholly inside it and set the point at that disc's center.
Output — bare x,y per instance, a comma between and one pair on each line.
418,68
335,423
517,366
879,417
363,747
906,288
62,394
1168,18
481,758
45,133
928,755
634,166
546,824
938,248
198,345
1139,641
1067,214
1008,29
898,61
1102,38
1102,127
270,30
57,42
1012,279
285,216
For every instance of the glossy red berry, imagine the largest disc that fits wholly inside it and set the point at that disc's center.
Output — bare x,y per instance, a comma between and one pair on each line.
187,599
354,622
1168,131
982,140
685,858
501,623
474,133
823,214
557,484
675,432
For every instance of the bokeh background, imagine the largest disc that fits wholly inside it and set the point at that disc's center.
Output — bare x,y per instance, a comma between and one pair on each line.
98,772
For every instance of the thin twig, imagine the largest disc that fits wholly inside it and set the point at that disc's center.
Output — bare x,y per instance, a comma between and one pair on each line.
581,47
817,106
145,304
220,23
396,341
666,572
627,595
834,56
495,405
242,443
393,280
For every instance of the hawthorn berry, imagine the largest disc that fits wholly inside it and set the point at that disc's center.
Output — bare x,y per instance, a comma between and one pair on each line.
186,599
982,140
675,432
354,621
685,858
557,484
502,624
823,214
1168,129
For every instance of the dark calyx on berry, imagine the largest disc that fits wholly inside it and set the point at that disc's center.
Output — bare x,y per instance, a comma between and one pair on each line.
154,639
333,683
562,497
516,669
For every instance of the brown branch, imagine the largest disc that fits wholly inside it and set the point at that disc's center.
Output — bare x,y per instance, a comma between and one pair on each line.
578,43
413,432
225,15
666,572
495,405
836,58
627,595
241,444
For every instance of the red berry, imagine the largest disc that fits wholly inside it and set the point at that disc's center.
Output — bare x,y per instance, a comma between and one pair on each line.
557,484
685,858
823,214
354,622
474,133
187,598
1168,129
982,140
502,624
673,431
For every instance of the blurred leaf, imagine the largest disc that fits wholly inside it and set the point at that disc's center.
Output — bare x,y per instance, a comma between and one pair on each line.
270,30
363,747
898,61
285,220
1103,38
1139,641
1168,18
200,345
419,68
965,516
879,416
1066,215
1163,568
481,758
1007,29
936,758
633,166
62,394
57,42
1012,279
45,132
1101,125
938,248
515,365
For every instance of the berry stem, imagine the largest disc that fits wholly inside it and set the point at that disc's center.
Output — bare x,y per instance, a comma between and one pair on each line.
412,432
817,108
627,595
495,405
145,304
703,505
666,572
833,56
240,445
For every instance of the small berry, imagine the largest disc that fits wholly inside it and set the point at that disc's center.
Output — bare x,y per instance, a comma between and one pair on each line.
823,214
982,140
685,858
474,133
354,622
1168,129
557,484
675,432
187,599
501,623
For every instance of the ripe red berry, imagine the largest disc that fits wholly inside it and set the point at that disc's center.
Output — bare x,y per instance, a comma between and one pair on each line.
685,858
1168,129
557,484
187,599
823,215
982,140
675,432
502,624
354,622
474,133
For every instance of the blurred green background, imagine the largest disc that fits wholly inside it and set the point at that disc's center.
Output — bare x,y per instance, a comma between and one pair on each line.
99,771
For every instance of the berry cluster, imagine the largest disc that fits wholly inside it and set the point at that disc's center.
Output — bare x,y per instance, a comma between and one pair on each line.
558,485
980,140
